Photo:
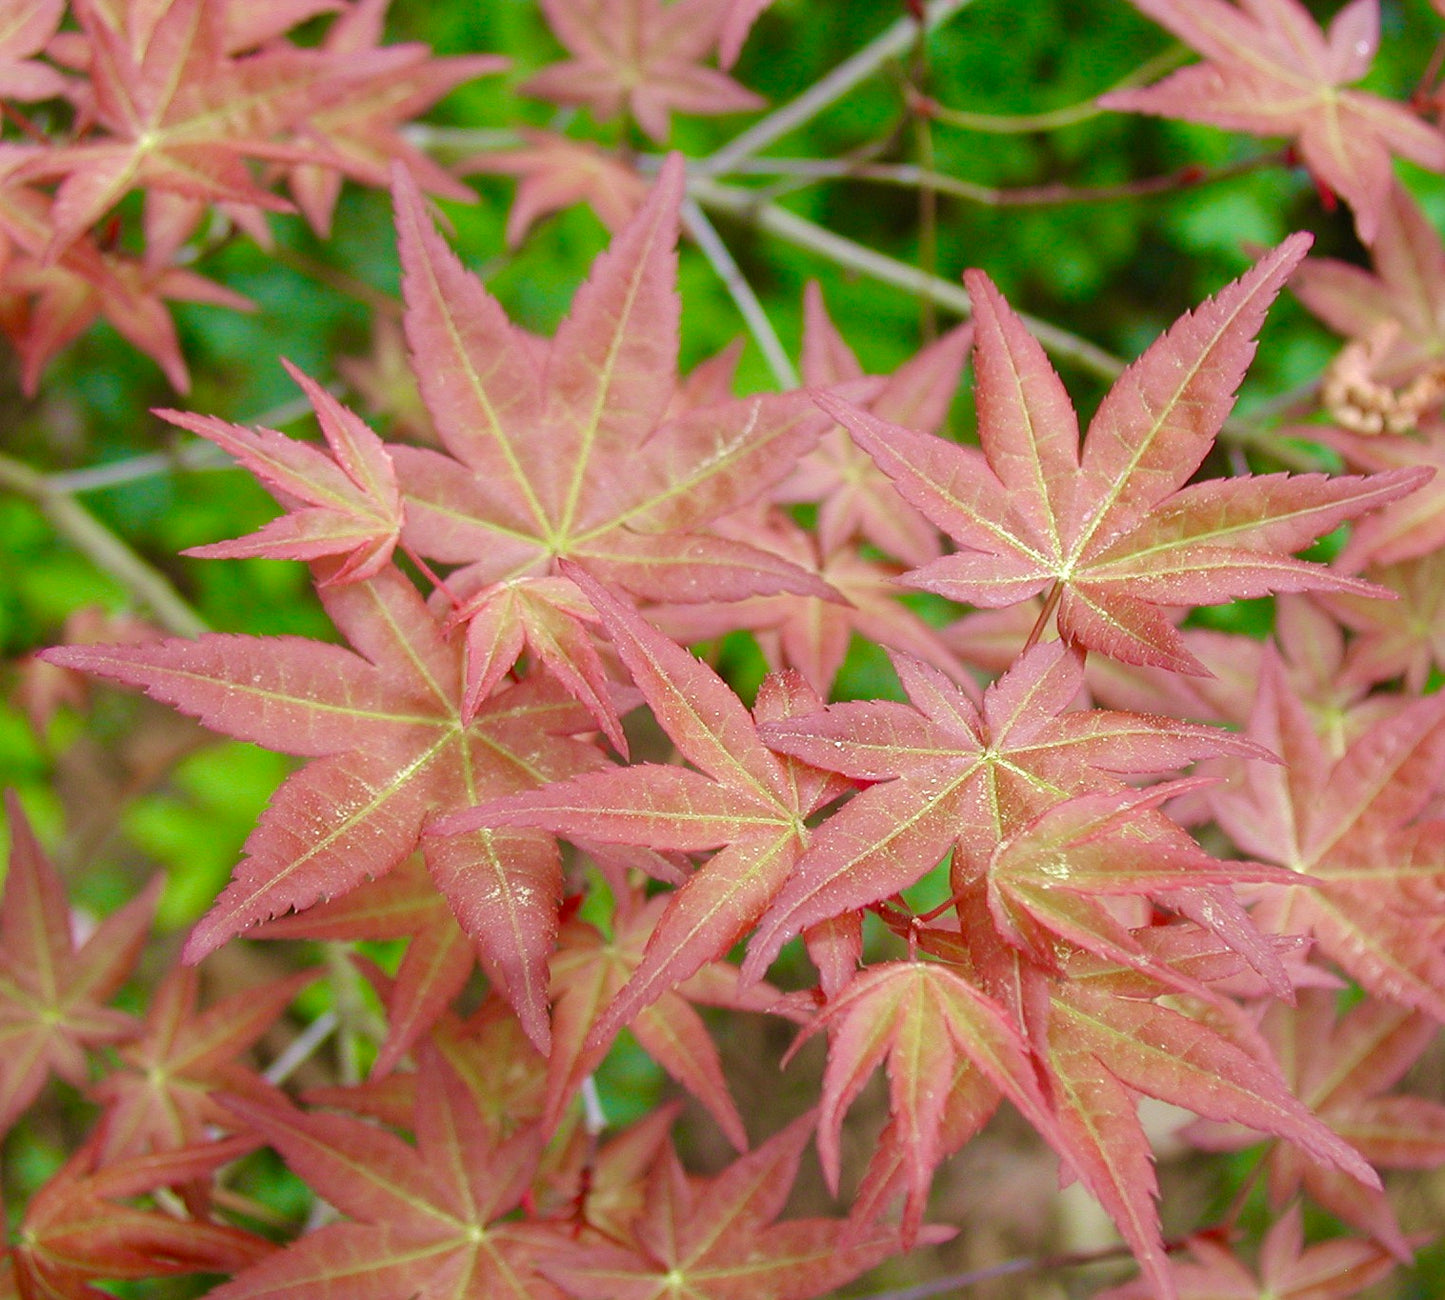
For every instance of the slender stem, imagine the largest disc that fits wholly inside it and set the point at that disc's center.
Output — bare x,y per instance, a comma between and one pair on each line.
722,262
107,551
862,65
1051,603
797,230
1071,115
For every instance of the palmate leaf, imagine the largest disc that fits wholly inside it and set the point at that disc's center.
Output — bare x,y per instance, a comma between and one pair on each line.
1358,826
954,773
345,504
53,992
426,1220
390,746
1111,531
645,54
534,434
715,1239
1270,70
1339,1066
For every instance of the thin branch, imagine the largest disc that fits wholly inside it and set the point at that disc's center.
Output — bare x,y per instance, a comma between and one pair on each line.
891,44
1071,115
761,328
104,549
1053,194
857,257
302,1047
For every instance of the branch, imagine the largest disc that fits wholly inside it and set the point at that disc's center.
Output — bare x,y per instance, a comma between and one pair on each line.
896,41
857,257
761,328
83,530
1053,194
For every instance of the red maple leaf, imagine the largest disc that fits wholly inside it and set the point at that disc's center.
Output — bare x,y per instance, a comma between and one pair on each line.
1358,825
953,773
390,747
1270,70
53,993
1111,532
534,434
424,1220
643,54
1338,1066
1329,1270
77,1230
715,1239
557,172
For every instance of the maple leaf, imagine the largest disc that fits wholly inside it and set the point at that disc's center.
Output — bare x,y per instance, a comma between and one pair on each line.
1397,637
346,504
76,1231
1403,530
425,1220
161,1100
53,993
557,172
1111,532
535,433
744,801
954,773
1270,70
45,303
356,131
1338,1066
644,55
1330,1270
390,747
927,1021
1355,826
715,1239
181,117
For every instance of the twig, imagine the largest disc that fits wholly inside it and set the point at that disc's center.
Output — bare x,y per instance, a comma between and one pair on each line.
1050,195
1052,120
857,257
301,1047
761,328
892,43
75,523
1009,1268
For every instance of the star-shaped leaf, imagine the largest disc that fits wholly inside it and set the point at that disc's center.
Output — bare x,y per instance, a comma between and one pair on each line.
345,504
1111,532
1270,70
53,992
390,747
715,1239
645,55
424,1220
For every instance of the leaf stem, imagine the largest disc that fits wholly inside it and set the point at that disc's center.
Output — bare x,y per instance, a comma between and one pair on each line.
1051,603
